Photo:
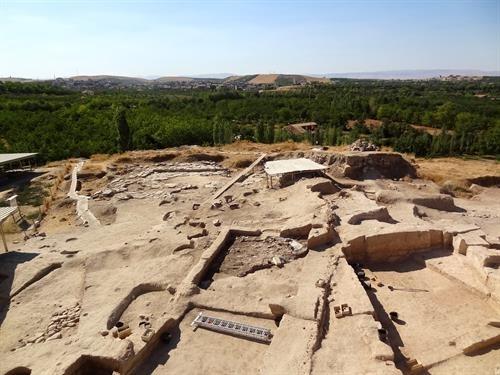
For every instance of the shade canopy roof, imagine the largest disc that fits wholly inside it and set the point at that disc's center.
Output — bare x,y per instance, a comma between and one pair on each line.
11,158
5,212
277,167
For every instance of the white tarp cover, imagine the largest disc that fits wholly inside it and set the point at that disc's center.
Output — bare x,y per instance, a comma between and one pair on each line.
10,158
5,212
276,167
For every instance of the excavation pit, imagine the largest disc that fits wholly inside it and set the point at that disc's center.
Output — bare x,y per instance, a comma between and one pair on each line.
244,255
429,316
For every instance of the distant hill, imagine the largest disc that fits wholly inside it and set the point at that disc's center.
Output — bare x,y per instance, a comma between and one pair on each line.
121,79
276,79
413,74
15,79
174,79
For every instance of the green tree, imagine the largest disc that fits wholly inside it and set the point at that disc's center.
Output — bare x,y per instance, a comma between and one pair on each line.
260,132
270,133
124,138
444,116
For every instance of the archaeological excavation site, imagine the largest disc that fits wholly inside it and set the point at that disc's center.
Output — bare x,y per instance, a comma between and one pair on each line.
238,260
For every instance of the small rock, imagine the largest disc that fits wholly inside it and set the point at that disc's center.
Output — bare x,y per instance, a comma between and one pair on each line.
196,206
216,222
216,204
55,336
278,261
197,223
320,283
69,252
168,215
165,201
107,193
202,233
171,289
234,206
104,333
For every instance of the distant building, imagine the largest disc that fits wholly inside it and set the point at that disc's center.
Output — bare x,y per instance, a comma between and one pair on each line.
302,128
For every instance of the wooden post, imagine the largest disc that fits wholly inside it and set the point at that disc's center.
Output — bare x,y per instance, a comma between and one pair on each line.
3,238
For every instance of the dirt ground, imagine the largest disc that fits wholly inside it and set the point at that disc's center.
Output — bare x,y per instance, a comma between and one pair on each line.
147,240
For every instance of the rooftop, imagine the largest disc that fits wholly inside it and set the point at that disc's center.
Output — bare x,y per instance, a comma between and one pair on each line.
276,167
11,158
301,128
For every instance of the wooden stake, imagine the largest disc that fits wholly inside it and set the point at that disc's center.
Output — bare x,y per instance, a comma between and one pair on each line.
3,238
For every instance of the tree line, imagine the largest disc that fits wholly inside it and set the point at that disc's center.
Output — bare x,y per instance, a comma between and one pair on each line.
59,123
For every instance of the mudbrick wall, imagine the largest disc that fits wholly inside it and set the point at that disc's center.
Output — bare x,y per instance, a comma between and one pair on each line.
394,246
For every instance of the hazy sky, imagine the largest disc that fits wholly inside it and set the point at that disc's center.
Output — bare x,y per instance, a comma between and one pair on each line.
41,39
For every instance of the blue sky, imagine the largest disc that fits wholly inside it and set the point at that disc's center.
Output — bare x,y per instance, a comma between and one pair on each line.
41,39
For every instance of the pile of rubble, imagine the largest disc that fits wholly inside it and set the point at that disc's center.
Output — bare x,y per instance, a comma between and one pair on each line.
62,320
143,181
363,145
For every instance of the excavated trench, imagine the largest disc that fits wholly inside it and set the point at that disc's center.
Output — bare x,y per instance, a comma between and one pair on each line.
90,365
423,312
243,255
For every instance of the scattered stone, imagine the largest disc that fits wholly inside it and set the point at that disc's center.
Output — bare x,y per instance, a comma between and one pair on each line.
165,201
189,187
216,204
168,215
201,233
363,145
234,206
107,193
278,261
55,336
69,252
320,283
124,196
216,222
148,334
196,206
171,289
197,223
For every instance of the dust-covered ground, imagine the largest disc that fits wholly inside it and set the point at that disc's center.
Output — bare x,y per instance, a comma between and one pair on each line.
381,265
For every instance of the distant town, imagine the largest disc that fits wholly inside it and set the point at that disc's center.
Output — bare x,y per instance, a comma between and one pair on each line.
243,83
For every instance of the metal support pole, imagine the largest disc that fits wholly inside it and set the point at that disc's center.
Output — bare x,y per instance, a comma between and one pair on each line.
3,238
